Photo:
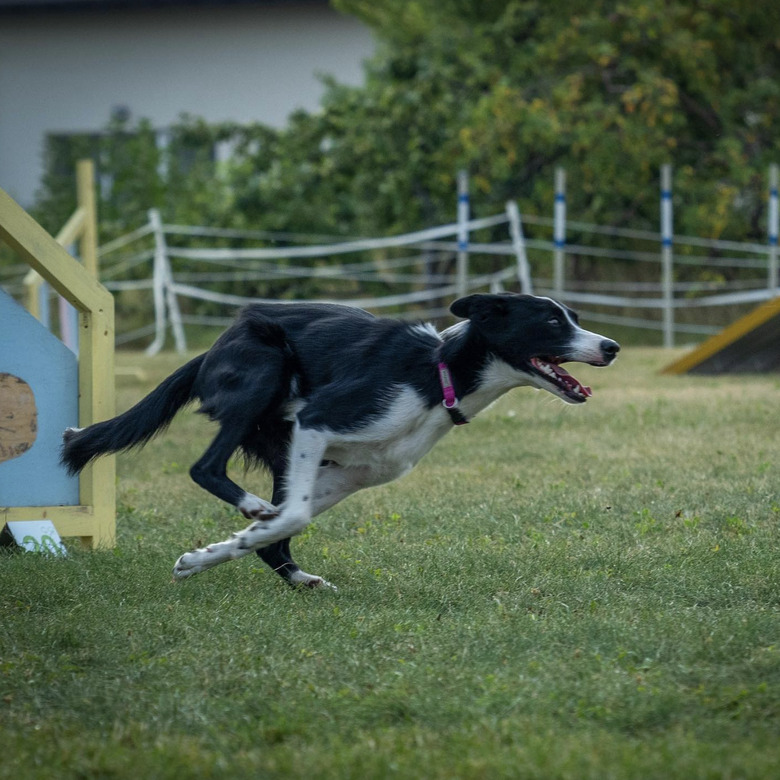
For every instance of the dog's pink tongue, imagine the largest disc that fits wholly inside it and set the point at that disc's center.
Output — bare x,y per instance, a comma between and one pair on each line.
570,380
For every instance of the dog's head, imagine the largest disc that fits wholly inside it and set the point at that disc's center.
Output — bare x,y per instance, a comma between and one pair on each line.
535,336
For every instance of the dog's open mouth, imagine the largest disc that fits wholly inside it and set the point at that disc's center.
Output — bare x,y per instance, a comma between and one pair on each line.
551,370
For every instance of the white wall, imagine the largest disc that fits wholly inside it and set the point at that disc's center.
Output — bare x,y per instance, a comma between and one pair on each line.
63,72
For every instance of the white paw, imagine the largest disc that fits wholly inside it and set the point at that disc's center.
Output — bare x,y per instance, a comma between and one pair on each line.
309,580
187,565
254,508
197,561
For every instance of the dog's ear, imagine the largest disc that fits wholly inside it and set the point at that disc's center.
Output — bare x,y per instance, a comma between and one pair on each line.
480,307
462,306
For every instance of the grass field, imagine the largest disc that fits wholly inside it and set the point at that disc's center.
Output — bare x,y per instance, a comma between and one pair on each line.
555,592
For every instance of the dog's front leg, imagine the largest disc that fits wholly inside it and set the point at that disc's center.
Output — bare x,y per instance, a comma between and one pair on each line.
306,452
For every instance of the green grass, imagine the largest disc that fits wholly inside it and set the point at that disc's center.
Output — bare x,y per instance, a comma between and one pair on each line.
555,592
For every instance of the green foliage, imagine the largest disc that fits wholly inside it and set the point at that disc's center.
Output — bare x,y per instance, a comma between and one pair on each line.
610,90
56,199
130,161
139,168
555,592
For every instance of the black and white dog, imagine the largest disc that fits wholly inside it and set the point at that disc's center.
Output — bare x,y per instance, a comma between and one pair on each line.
332,399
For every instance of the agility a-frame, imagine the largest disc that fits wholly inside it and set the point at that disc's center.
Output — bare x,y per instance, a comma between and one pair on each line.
93,516
751,344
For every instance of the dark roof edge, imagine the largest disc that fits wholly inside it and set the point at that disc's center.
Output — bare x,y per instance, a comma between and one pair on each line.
35,6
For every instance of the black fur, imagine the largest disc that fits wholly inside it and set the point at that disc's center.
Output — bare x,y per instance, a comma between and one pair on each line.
136,426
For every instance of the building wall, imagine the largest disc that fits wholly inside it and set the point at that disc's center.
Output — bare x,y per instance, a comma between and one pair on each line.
66,72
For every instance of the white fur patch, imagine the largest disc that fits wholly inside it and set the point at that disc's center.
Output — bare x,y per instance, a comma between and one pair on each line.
496,379
427,329
391,445
586,347
455,329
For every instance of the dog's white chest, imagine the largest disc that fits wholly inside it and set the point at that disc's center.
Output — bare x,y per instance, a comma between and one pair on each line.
391,445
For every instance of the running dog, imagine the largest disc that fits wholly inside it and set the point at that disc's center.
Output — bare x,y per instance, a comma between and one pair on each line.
332,399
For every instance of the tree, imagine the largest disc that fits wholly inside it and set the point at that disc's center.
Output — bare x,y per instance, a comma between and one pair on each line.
610,90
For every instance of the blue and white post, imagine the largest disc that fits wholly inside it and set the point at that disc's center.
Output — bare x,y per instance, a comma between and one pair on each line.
772,229
463,233
69,317
559,232
667,238
44,304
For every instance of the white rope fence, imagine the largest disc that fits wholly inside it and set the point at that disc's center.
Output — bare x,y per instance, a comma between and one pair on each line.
437,264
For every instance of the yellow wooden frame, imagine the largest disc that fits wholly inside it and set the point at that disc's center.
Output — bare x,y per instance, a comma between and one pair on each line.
94,519
81,225
766,311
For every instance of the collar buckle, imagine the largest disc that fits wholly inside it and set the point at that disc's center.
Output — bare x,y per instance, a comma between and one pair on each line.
450,401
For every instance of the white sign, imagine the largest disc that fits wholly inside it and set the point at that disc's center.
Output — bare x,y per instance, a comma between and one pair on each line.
35,536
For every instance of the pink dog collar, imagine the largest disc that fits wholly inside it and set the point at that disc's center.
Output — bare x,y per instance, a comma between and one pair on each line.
450,401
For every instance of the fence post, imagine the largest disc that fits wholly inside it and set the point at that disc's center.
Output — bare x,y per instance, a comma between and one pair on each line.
772,229
666,254
158,283
69,325
174,312
463,233
42,291
559,232
518,244
165,303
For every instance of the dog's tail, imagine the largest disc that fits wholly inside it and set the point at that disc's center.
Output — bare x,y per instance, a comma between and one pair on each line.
136,426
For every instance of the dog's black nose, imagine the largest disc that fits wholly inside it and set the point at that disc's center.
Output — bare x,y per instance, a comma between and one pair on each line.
609,349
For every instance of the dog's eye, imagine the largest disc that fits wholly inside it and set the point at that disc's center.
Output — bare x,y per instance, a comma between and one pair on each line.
554,321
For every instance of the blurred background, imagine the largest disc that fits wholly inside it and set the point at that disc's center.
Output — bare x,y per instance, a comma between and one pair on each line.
310,122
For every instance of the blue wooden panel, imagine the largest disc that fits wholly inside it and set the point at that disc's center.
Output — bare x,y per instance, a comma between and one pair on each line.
30,352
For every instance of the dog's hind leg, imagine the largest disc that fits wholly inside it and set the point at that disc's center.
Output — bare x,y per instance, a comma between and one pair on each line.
330,488
277,555
210,472
334,484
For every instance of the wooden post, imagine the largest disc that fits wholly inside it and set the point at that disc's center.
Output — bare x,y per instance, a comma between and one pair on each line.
85,194
667,277
82,224
95,518
97,487
33,282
